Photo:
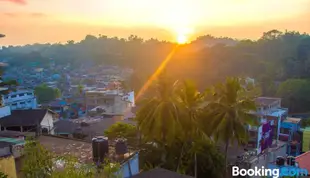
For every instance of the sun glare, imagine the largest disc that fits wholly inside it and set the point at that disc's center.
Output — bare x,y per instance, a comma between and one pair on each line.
181,39
182,35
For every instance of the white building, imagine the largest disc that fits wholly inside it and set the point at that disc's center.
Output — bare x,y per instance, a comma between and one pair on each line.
21,99
32,120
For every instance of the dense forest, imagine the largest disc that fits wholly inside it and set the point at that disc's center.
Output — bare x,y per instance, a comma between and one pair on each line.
279,61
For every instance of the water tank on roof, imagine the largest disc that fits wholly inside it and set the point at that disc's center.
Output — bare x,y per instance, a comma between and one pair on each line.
280,161
121,147
100,148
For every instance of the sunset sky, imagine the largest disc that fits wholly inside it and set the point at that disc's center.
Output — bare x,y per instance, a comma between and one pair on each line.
41,21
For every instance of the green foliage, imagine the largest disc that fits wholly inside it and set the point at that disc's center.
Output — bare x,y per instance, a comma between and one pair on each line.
158,116
2,175
221,112
73,170
40,163
229,113
295,94
305,123
37,161
122,130
46,94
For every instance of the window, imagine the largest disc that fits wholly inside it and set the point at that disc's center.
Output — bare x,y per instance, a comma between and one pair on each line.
21,94
29,93
15,104
13,96
252,134
29,101
22,103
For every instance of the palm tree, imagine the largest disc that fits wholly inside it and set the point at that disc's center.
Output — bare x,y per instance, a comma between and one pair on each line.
158,116
190,102
231,111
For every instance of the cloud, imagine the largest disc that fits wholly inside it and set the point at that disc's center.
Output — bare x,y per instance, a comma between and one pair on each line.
16,14
37,15
9,14
22,2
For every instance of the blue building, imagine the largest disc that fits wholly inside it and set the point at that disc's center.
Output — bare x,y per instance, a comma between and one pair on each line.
289,133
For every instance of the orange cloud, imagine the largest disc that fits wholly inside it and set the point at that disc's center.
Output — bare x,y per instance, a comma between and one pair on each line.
17,14
23,2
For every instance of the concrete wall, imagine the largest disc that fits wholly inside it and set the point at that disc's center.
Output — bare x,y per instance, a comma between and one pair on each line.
48,122
5,151
7,166
5,111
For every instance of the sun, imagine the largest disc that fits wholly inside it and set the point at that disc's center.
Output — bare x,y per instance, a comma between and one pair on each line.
182,39
182,35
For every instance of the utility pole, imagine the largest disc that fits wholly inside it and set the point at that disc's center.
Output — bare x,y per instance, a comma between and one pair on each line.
195,165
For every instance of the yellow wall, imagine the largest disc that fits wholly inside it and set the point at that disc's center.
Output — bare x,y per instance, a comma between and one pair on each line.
7,166
306,141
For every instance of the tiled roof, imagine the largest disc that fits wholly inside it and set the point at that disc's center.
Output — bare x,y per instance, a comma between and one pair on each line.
303,160
160,173
23,118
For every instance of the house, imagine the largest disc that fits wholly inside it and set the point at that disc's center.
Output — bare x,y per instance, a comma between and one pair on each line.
21,99
35,120
16,146
305,139
289,132
160,173
270,115
58,106
83,151
303,160
5,111
5,149
88,127
112,102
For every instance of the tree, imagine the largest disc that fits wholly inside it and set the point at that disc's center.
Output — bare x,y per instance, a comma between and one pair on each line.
190,103
305,123
158,118
122,130
80,89
2,175
38,161
229,111
294,94
46,94
203,159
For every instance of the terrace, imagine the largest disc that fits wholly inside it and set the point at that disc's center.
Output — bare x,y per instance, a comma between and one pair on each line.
80,149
